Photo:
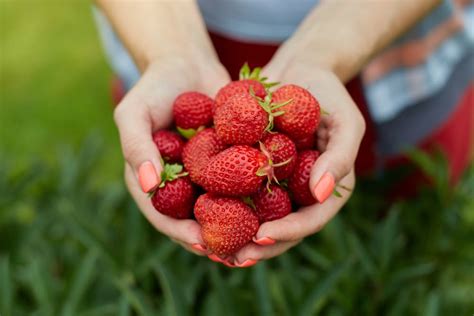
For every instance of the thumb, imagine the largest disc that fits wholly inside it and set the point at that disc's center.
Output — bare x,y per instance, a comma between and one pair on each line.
135,128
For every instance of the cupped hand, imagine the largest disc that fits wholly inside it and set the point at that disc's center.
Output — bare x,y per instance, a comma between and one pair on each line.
338,139
148,107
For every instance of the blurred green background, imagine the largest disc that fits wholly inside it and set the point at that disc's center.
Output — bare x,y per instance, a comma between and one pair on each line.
73,243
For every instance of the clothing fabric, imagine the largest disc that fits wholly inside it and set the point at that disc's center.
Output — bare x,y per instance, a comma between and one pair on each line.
415,67
407,93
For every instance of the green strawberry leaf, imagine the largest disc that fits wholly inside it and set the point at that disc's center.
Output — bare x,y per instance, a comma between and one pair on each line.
190,132
248,200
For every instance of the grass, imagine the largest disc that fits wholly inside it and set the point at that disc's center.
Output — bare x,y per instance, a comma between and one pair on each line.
73,243
54,81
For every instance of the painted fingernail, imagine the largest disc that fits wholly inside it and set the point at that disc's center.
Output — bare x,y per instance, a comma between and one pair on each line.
264,241
228,264
147,177
247,263
199,247
324,188
215,258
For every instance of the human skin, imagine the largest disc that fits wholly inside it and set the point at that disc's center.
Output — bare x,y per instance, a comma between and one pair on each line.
169,43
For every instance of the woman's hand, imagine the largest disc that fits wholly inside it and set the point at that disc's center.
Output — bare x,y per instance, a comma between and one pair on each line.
148,107
338,139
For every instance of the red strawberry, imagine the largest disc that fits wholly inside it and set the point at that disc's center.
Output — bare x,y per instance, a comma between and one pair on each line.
281,149
236,171
301,116
305,143
247,80
299,181
175,195
271,203
228,224
192,110
239,87
198,152
169,144
241,120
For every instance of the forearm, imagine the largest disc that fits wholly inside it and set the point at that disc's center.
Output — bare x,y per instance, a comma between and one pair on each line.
157,29
343,35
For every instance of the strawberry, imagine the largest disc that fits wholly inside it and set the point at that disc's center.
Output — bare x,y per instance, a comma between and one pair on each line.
169,144
301,116
305,143
236,171
248,80
241,120
228,224
175,195
271,203
299,181
238,87
199,150
281,150
192,110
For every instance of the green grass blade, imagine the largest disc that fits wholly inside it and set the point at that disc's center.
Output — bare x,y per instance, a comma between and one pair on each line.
6,289
323,288
38,281
134,298
261,283
432,305
81,281
364,257
314,256
282,304
174,296
223,292
100,310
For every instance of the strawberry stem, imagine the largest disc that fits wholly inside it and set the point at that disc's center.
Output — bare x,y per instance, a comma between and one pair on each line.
246,73
171,172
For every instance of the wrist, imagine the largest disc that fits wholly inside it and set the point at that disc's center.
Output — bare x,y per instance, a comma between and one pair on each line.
328,59
192,69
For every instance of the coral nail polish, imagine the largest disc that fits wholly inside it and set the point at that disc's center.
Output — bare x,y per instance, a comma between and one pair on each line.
147,177
264,241
247,263
228,264
215,258
199,247
325,187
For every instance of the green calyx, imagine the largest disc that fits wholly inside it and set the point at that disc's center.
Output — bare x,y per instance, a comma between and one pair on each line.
269,169
247,73
190,132
271,108
248,200
171,172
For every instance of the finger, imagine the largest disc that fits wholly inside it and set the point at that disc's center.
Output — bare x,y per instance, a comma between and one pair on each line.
308,220
135,129
345,130
257,253
186,231
192,248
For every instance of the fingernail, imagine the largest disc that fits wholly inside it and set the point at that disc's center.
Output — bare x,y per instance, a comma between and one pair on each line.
228,264
264,241
148,177
247,263
199,247
324,188
215,258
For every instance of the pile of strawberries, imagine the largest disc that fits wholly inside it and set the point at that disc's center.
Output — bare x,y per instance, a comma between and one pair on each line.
239,160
